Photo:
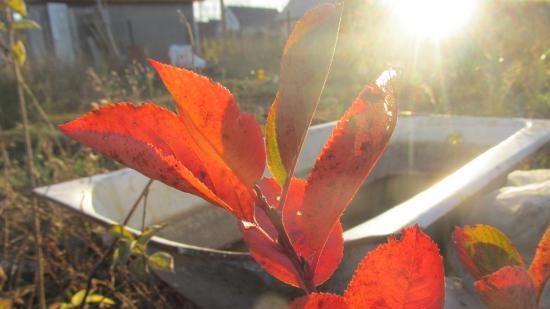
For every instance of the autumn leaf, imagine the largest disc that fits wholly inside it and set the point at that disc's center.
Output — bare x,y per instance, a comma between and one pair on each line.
319,301
262,240
18,6
356,144
402,274
211,114
540,267
19,52
305,65
484,249
209,148
510,287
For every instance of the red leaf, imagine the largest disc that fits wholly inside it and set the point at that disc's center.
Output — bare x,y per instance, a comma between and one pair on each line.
510,287
484,249
160,145
262,240
405,274
319,301
209,110
540,268
304,68
356,144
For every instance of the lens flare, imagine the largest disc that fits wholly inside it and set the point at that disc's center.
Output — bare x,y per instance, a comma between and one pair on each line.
433,19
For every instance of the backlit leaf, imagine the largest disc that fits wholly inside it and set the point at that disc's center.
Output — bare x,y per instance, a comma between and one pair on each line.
149,232
510,287
19,52
319,301
157,143
212,116
78,298
99,299
356,144
540,268
18,6
121,231
402,274
262,240
305,65
484,249
25,24
162,260
122,253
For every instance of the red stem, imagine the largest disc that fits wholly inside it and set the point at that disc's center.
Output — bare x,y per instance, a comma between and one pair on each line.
305,275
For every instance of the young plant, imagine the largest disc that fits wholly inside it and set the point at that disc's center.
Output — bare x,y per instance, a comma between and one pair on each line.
136,247
502,279
211,149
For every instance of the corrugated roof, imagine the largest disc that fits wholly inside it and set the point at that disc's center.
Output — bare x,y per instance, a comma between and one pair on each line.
253,17
296,8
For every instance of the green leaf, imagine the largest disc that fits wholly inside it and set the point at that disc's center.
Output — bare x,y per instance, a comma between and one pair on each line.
122,253
78,298
162,260
121,231
149,232
99,299
18,6
484,249
19,52
25,24
138,268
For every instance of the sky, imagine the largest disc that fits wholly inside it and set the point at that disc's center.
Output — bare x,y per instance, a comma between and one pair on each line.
211,9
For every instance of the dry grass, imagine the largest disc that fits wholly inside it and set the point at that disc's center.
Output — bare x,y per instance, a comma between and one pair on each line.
72,244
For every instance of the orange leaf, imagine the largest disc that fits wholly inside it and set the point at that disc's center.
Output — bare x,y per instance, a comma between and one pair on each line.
402,274
211,115
356,144
304,68
319,301
484,249
510,287
540,268
171,148
262,240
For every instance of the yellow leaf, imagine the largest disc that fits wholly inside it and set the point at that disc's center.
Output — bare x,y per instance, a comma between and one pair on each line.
274,160
78,298
6,303
162,260
25,24
484,249
18,6
19,52
99,299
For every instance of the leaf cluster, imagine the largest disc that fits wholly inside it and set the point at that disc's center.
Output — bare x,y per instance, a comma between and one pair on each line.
17,49
134,247
503,280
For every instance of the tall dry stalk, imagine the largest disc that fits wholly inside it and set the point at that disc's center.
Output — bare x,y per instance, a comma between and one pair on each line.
29,160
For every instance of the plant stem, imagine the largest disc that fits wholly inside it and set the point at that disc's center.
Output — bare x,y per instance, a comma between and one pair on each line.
45,118
113,245
300,265
39,278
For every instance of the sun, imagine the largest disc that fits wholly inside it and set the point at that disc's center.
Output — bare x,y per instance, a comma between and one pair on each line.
432,19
